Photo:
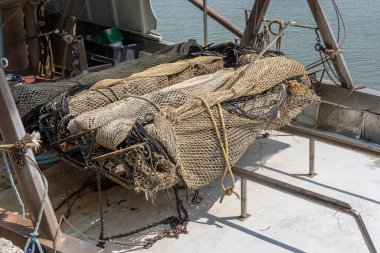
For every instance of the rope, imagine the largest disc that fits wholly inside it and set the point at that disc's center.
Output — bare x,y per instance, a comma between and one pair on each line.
9,173
143,98
33,241
19,149
280,24
224,148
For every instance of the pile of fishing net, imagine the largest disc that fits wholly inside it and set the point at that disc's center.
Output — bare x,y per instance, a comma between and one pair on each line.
111,90
52,117
197,129
184,114
29,98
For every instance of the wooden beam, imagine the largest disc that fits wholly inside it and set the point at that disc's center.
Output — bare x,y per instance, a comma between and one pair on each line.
29,180
256,17
331,43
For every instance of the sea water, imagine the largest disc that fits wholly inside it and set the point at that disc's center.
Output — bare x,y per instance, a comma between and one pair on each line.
179,20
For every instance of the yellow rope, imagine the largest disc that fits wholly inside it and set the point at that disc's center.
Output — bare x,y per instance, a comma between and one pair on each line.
224,148
280,24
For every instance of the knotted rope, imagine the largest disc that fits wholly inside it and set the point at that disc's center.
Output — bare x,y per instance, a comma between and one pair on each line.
19,151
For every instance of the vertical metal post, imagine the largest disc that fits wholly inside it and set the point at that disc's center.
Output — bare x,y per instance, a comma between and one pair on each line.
29,179
311,158
243,199
331,43
205,25
218,18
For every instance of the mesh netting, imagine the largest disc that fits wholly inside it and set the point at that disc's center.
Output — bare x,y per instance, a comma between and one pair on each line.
193,124
114,121
195,144
31,96
141,83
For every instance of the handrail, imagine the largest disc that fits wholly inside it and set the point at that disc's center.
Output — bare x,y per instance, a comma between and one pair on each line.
219,18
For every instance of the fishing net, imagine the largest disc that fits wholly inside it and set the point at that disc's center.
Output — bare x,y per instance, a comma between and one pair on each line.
114,121
197,129
150,80
29,97
240,110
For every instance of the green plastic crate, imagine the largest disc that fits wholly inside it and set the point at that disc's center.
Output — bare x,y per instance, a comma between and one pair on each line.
108,36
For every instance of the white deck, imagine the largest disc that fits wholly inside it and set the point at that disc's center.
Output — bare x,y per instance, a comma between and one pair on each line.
279,222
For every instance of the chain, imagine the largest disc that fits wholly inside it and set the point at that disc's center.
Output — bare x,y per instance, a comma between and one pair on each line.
177,225
19,149
326,64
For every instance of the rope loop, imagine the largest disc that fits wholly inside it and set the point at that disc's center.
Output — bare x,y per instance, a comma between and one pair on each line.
227,191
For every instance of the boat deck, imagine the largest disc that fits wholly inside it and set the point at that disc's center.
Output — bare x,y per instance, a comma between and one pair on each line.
278,222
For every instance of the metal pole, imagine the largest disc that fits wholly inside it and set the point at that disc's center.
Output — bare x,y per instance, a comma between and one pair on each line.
255,19
311,158
29,179
363,230
219,18
333,139
243,197
314,197
331,43
205,28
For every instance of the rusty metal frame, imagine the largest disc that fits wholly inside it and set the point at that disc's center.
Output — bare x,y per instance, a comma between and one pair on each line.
12,226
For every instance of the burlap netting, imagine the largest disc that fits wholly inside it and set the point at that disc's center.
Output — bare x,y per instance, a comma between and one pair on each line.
115,120
30,96
187,132
141,83
183,125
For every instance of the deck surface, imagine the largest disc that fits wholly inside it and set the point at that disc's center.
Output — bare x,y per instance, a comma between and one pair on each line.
278,222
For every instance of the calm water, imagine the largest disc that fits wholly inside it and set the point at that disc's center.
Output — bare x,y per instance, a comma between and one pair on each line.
178,20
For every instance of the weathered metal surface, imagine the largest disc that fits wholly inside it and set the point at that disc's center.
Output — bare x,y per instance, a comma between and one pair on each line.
32,31
29,179
308,116
340,120
365,99
132,15
371,131
14,228
15,47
